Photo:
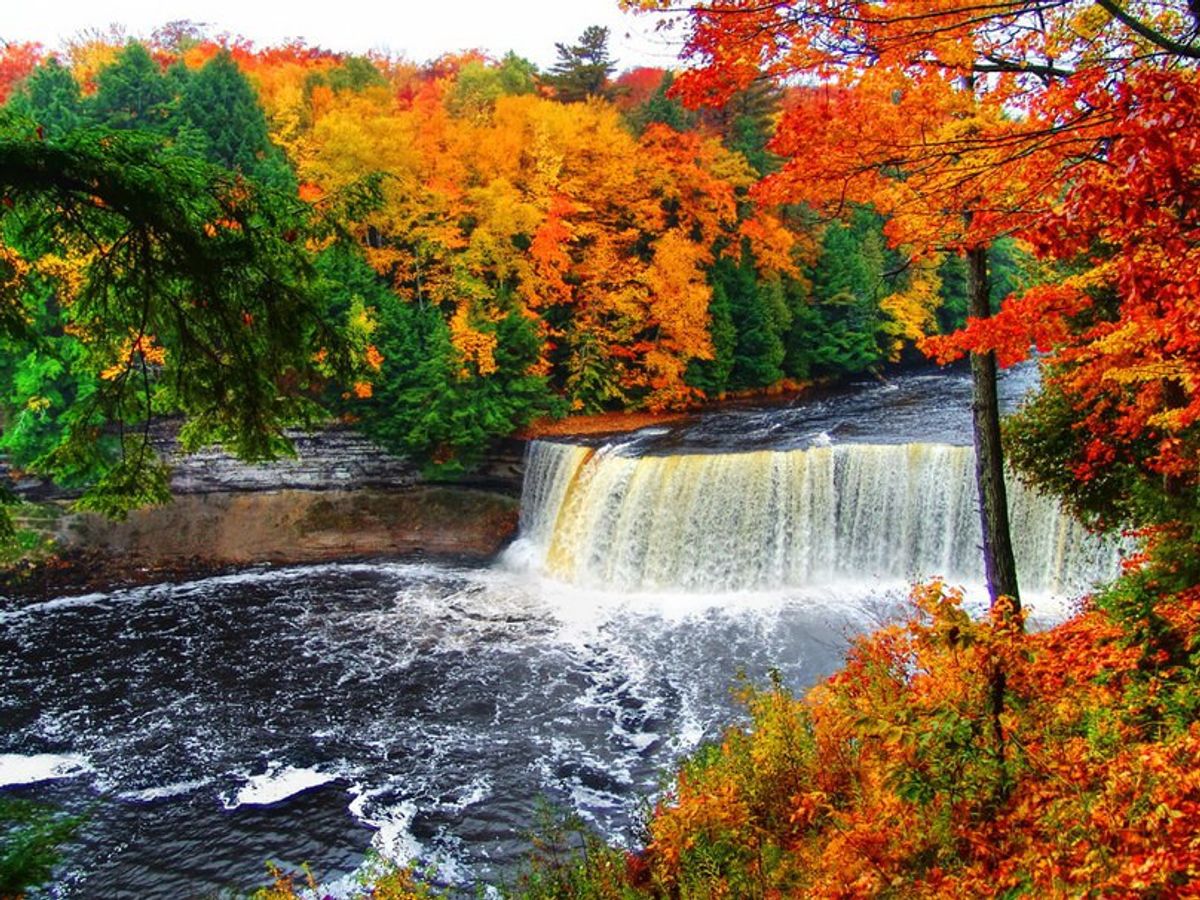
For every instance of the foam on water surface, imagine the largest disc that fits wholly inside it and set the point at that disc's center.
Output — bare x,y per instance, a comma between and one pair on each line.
19,768
278,783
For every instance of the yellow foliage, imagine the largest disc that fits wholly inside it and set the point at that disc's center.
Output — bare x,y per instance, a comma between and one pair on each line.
475,346
133,348
910,312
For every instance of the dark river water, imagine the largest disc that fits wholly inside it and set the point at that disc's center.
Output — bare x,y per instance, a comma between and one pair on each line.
421,709
425,708
928,405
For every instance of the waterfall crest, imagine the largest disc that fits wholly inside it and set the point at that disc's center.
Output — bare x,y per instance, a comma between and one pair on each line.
768,519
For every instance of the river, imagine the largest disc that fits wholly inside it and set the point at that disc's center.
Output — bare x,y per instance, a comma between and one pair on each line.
427,709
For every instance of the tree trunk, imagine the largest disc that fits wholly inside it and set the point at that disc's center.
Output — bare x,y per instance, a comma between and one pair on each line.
999,564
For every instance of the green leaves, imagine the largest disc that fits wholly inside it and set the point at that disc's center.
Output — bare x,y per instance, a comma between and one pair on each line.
30,835
149,282
428,402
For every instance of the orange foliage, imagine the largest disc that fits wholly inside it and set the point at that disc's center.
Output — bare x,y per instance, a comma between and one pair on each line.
1073,127
895,777
16,61
1134,375
535,205
561,205
135,350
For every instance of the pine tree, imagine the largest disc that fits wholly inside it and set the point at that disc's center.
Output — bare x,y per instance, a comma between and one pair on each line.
747,122
835,326
426,403
759,319
50,96
583,69
202,302
712,375
132,92
220,106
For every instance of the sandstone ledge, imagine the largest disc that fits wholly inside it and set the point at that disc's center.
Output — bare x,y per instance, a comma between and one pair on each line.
293,526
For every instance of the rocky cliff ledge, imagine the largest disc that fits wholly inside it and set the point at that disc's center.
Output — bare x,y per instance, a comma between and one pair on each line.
291,526
335,459
341,497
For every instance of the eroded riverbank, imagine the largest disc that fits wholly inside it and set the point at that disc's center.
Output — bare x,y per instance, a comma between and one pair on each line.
205,534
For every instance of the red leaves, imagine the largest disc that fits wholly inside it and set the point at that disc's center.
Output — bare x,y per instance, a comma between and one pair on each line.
16,62
1134,375
1040,318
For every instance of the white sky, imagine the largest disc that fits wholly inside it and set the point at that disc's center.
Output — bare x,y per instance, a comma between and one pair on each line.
416,30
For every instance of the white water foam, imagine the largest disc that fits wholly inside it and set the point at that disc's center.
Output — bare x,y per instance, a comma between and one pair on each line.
17,768
165,791
276,784
49,606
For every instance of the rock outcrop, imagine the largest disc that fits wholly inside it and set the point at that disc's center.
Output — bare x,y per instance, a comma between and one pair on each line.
293,526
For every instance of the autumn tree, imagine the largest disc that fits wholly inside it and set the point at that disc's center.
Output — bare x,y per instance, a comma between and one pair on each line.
16,62
1114,429
478,86
950,120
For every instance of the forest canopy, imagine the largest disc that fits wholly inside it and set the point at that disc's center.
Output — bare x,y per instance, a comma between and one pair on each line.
436,253
253,238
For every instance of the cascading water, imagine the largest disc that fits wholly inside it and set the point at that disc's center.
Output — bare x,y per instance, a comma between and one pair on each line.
770,519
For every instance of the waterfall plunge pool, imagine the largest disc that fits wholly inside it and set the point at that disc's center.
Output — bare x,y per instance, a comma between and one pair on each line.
308,714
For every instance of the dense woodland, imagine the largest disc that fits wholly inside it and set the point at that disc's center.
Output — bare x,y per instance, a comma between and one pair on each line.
825,184
497,243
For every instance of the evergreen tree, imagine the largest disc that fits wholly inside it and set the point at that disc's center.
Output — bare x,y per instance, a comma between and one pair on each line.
661,109
593,375
220,110
952,313
50,96
1009,265
202,303
583,69
747,122
132,92
425,403
712,375
835,327
759,318
843,268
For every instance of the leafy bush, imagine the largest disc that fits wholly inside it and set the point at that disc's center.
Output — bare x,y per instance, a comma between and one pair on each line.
30,838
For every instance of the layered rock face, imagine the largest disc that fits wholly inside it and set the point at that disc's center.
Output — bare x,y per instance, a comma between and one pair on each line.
336,458
293,526
341,496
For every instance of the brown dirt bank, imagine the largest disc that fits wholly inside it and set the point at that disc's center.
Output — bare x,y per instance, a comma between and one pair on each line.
621,422
600,423
199,534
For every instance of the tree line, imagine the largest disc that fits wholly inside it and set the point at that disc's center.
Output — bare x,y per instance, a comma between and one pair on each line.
466,245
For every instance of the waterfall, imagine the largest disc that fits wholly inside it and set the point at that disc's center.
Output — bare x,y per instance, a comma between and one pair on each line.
768,519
